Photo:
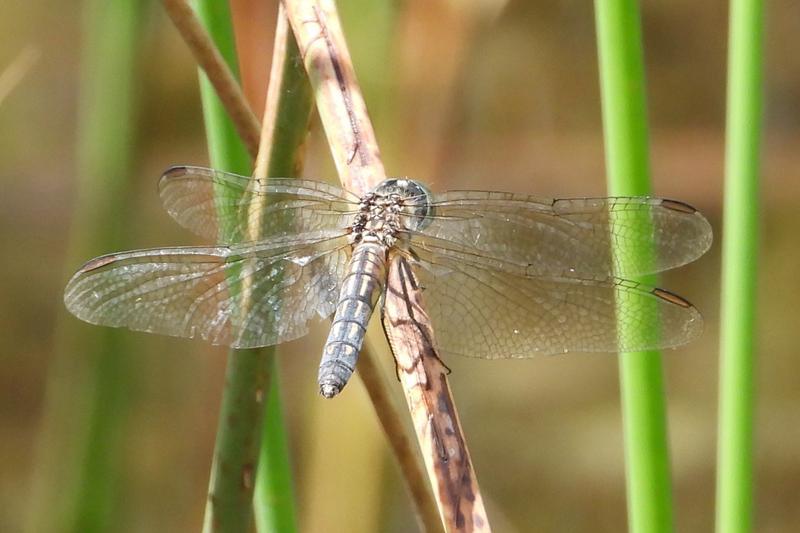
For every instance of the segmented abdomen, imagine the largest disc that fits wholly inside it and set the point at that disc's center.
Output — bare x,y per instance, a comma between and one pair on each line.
360,291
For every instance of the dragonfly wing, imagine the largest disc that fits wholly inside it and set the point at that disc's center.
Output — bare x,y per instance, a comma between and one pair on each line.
239,296
207,201
574,237
496,310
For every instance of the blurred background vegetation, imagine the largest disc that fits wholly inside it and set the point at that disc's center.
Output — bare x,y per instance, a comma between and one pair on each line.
481,94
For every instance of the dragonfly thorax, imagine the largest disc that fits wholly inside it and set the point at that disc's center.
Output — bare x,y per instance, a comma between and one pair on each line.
394,207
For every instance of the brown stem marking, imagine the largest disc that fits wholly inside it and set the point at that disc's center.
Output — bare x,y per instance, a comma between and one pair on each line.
217,71
430,401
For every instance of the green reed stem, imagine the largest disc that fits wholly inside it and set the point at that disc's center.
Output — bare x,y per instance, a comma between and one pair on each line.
274,496
250,373
230,490
628,168
739,252
88,389
290,113
225,149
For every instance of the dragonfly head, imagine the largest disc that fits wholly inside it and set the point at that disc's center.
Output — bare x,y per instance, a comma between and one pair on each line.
412,198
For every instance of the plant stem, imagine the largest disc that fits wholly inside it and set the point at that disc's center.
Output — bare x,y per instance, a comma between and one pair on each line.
430,402
226,150
249,373
216,70
739,252
339,100
230,492
274,493
287,112
628,169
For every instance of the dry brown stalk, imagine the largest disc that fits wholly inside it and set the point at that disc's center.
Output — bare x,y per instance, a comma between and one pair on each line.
217,71
273,99
355,151
339,101
430,401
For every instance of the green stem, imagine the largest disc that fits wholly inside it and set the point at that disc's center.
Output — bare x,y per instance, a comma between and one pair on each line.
274,495
274,501
247,374
225,149
251,374
628,169
230,491
739,249
88,390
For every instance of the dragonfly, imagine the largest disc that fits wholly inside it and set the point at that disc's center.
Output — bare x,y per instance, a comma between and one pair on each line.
504,275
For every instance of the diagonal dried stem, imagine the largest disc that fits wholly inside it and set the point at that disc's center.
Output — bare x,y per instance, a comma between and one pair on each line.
430,401
355,151
339,101
211,61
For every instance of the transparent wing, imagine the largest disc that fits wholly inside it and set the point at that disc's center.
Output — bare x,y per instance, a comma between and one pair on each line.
239,296
205,200
570,237
494,310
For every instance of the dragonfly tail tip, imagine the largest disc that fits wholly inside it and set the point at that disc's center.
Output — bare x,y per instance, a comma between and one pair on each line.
328,390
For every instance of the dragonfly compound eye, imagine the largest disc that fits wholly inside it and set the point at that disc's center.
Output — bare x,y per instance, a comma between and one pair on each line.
411,198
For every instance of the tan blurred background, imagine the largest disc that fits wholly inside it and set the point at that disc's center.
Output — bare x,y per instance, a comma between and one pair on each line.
481,94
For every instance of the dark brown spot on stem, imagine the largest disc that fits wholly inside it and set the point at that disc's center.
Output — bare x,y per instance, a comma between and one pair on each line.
247,477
